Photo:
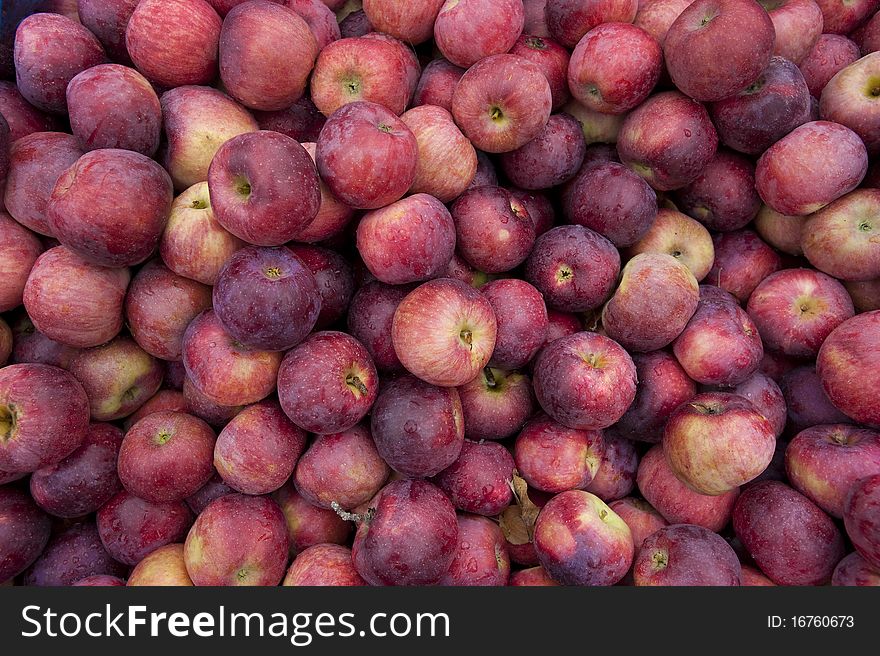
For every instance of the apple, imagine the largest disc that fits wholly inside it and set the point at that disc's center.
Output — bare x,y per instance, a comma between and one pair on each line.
22,117
663,386
535,19
569,20
333,215
437,84
502,102
24,531
163,567
110,207
266,52
847,365
19,249
598,128
522,322
370,315
301,121
29,345
641,518
554,458
447,161
531,576
680,236
551,58
766,395
790,181
222,369
614,84
678,503
174,42
113,106
581,541
573,267
460,270
538,206
35,162
50,50
798,24
237,540
71,555
553,157
831,54
657,16
865,294
723,197
194,245
486,174
657,153
335,278
213,489
742,261
466,31
131,528
410,537
162,401
825,462
479,479
634,316
844,17
781,231
418,427
585,381
790,538
496,404
412,22
309,525
705,30
686,555
410,240
107,19
807,403
860,518
855,570
444,332
323,565
197,121
481,558
355,23
849,98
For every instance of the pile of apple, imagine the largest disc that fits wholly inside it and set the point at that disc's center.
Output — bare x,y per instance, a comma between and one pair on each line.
419,292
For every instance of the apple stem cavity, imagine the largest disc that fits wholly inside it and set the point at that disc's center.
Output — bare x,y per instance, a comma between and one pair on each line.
467,337
490,378
353,381
7,422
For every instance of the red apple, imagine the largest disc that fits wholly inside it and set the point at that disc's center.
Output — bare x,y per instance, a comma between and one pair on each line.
412,22
309,525
163,567
742,261
781,231
71,555
680,236
798,25
437,84
196,403
553,157
843,17
831,54
164,400
657,16
807,403
479,480
24,531
466,31
369,320
860,518
554,458
323,565
551,58
107,19
569,20
301,120
496,404
767,397
19,249
22,117
723,197
481,558
855,571
686,555
335,278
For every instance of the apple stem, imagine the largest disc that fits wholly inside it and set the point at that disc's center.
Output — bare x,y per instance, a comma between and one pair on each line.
353,517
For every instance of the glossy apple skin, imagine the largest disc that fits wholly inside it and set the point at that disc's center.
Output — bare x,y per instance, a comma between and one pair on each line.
174,43
848,366
686,555
660,156
569,20
581,541
693,41
107,19
255,287
496,404
653,303
266,54
196,403
825,462
614,84
841,238
539,208
478,481
418,428
616,476
160,305
723,197
335,278
343,468
369,320
22,117
301,121
551,58
19,249
789,537
323,565
501,103
166,456
258,449
641,518
841,18
766,395
194,245
411,22
574,268
197,121
411,240
238,540
111,207
742,261
412,537
848,99
466,31
554,458
860,518
855,571
798,25
788,179
781,231
481,558
366,155
808,404
718,441
522,322
585,381
796,309
437,83
70,556
328,383
24,531
112,106
309,525
32,346
222,369
162,567
552,158
130,528
35,162
831,54
682,237
773,105
50,50
44,415
163,400
444,332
